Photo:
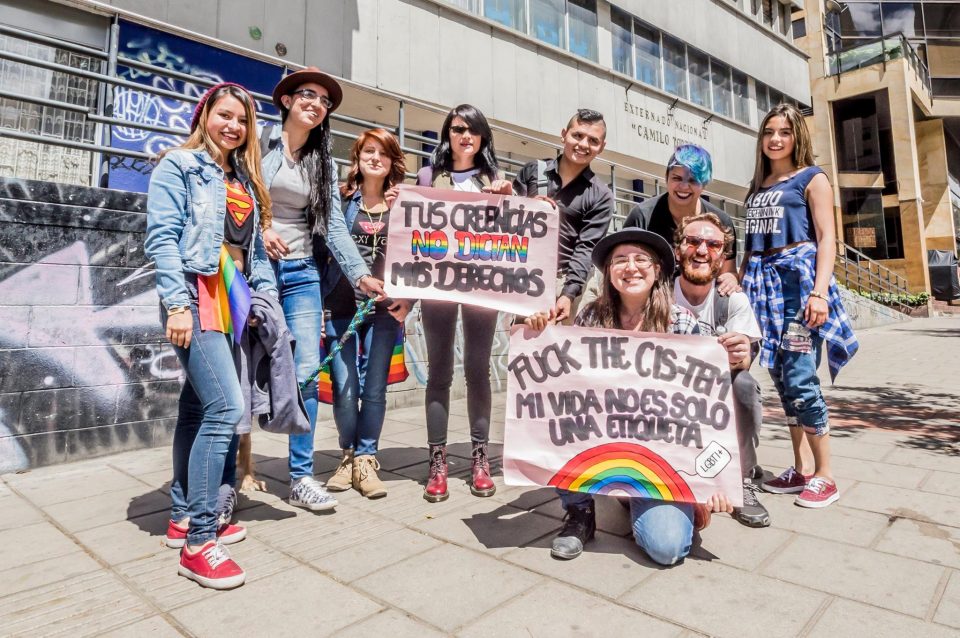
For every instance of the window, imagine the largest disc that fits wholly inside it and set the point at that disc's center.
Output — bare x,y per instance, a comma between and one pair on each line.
799,28
776,97
763,102
860,20
647,42
741,97
699,67
768,12
583,28
784,11
722,90
546,21
868,226
507,12
620,24
472,6
902,17
942,20
674,66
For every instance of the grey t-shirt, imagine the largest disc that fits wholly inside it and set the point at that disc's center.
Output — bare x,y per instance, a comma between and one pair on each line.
290,194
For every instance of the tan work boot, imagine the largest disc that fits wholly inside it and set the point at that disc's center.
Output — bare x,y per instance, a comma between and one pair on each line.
365,476
342,479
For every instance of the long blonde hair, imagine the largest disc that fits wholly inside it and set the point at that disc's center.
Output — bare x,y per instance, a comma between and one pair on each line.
246,158
802,146
657,314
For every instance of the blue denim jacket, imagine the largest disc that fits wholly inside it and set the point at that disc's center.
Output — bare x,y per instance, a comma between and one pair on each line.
331,272
339,241
186,207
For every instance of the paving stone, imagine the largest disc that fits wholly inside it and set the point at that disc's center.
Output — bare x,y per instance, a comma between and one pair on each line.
314,602
944,461
415,438
17,512
887,581
127,540
45,572
609,565
948,611
525,497
363,558
143,461
156,577
86,605
877,472
392,457
612,517
94,511
735,544
279,468
48,488
444,597
847,618
390,623
31,543
554,610
723,601
942,483
155,627
913,504
857,449
929,542
838,523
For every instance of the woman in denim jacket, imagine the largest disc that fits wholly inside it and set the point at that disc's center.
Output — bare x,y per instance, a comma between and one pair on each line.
302,177
204,208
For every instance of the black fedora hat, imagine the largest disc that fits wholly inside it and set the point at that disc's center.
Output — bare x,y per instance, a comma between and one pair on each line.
309,74
647,238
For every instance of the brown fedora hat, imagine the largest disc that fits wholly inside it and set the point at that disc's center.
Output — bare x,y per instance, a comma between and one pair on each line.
309,74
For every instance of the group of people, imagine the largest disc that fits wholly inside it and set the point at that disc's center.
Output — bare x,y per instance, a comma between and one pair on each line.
234,216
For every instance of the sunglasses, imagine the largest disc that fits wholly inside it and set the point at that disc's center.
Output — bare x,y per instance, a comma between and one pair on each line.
713,245
309,95
460,130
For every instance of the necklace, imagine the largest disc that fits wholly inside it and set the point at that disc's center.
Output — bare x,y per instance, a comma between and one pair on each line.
373,226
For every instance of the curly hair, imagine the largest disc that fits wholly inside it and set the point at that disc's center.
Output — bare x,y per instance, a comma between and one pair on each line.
390,145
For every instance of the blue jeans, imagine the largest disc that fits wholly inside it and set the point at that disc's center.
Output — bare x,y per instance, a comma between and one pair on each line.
211,405
794,373
299,284
662,529
360,381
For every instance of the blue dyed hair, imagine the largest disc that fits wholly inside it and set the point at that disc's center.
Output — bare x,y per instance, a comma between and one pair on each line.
695,159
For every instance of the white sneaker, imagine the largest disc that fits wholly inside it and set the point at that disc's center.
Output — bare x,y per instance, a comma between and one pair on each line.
308,493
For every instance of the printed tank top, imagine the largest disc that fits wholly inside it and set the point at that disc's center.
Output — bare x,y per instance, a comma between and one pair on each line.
780,215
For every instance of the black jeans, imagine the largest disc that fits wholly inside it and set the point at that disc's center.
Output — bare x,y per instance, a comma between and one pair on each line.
440,330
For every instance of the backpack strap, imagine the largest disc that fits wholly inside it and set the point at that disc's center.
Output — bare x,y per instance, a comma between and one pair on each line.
721,310
542,182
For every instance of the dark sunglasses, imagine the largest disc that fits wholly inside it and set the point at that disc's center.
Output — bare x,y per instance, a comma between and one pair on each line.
460,130
713,245
309,95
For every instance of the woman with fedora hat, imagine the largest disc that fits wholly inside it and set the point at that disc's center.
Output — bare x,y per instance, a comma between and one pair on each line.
205,205
299,170
636,296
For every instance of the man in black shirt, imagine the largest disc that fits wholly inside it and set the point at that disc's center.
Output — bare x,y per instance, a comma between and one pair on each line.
688,172
585,203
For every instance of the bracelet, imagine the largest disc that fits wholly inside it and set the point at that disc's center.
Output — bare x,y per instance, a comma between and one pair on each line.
178,310
820,295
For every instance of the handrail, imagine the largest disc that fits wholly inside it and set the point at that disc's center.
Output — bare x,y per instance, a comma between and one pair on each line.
902,45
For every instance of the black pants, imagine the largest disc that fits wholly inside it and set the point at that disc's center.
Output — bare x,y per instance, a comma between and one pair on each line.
749,410
440,330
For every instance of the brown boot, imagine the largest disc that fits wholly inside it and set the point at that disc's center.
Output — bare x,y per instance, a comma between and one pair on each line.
342,479
436,489
365,478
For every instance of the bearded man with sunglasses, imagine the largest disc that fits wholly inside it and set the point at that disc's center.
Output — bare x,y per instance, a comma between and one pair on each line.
688,172
702,244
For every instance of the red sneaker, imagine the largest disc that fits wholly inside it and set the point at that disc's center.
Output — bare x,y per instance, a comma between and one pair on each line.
211,567
819,492
790,482
227,534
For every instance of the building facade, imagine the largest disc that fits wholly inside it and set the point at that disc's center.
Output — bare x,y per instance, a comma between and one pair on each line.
885,85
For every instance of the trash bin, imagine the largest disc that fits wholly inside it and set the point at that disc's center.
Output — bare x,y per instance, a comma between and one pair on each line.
944,283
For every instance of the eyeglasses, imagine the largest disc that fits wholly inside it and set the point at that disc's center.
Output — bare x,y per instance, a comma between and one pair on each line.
460,130
713,245
638,261
309,95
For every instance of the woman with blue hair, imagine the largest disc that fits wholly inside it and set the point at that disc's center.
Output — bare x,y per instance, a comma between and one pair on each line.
688,172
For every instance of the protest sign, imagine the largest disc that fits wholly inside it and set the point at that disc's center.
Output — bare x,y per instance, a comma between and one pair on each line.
613,412
495,251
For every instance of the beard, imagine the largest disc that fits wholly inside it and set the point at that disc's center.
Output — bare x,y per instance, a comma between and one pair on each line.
697,276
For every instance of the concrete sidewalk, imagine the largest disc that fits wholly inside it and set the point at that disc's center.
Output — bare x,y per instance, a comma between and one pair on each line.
81,551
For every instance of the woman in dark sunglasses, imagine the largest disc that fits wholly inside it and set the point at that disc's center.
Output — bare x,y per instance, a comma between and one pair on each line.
464,160
299,171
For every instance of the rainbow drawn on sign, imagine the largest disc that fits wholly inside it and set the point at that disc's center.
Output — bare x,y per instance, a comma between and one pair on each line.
433,244
623,467
487,247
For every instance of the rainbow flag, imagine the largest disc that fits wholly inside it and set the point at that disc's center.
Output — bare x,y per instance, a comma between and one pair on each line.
225,299
397,372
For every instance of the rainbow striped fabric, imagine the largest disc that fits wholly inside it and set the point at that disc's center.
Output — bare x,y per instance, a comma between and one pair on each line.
398,369
224,299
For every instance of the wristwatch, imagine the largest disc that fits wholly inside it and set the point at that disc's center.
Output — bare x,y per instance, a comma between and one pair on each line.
177,310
